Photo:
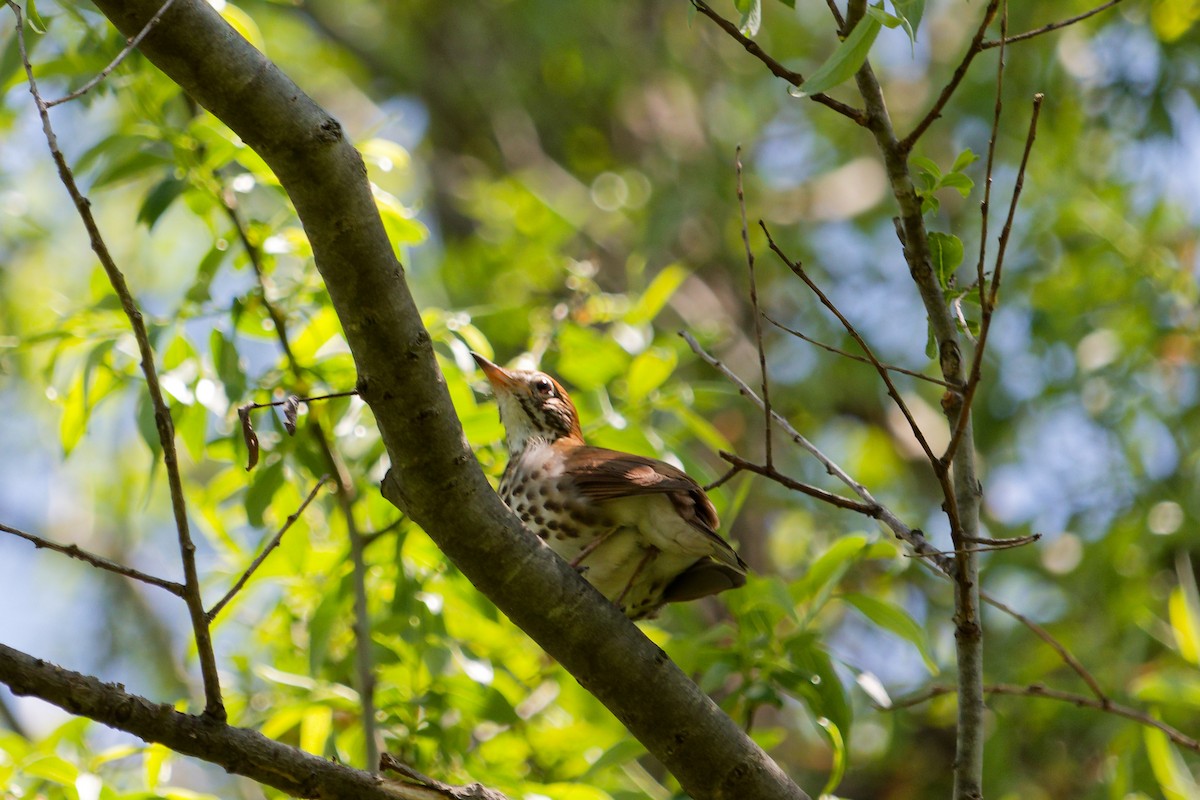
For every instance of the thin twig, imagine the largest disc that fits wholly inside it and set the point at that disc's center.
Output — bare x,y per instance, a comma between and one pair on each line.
758,337
255,256
130,46
989,545
893,392
942,566
837,16
721,481
1082,701
988,303
1053,26
100,562
777,69
266,551
345,496
1068,658
213,706
906,144
305,400
910,536
768,471
852,357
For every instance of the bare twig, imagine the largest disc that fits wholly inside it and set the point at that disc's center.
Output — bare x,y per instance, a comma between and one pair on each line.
213,706
1068,658
852,357
305,400
1082,701
100,562
989,545
1053,26
266,551
941,565
837,16
769,471
130,46
415,786
910,536
758,338
988,303
777,69
893,392
228,202
362,617
960,72
721,481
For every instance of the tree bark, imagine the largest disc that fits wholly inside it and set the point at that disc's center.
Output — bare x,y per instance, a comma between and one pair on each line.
435,478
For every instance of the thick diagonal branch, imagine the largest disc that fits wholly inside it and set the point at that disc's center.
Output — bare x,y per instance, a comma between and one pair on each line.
435,478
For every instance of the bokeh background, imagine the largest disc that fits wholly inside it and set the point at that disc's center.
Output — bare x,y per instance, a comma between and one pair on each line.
559,180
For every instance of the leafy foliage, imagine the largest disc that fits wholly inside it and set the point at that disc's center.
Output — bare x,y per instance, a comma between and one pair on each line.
557,179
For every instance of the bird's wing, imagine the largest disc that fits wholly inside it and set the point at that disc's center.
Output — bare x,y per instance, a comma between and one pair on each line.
601,474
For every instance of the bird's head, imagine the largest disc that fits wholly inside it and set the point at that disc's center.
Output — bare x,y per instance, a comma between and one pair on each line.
533,406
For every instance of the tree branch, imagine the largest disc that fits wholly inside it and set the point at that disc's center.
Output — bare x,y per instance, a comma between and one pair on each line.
266,551
1082,701
777,69
77,552
238,750
435,478
758,338
1053,26
838,351
213,705
960,72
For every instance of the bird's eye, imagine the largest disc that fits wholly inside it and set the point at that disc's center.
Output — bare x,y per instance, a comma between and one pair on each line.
543,386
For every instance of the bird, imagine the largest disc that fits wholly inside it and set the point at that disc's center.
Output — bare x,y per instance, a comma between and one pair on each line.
641,531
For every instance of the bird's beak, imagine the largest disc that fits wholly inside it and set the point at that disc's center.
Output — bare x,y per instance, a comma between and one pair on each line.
497,376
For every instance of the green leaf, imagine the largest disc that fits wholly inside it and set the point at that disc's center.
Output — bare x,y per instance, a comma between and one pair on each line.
845,61
885,19
959,182
812,678
159,199
589,359
892,617
263,486
964,159
946,253
838,743
829,567
53,769
923,164
649,371
657,294
228,364
399,222
315,725
1170,770
910,12
624,751
751,20
35,19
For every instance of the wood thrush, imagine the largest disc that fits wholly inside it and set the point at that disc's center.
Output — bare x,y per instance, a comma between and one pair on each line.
641,531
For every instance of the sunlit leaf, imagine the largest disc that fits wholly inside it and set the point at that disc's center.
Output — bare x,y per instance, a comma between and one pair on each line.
648,371
829,567
946,254
1169,768
895,619
657,294
845,61
315,725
